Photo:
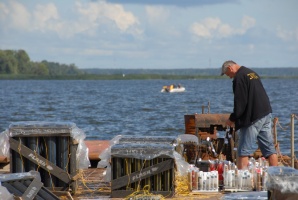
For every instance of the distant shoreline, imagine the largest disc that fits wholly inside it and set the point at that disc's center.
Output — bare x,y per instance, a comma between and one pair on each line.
125,77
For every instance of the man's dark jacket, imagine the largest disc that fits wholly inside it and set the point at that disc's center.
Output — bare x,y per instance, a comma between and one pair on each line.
250,98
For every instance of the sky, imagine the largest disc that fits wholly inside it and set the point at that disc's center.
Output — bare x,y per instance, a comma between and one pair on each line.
153,34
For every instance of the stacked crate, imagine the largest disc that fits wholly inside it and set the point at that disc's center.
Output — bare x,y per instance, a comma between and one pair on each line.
26,186
48,148
143,163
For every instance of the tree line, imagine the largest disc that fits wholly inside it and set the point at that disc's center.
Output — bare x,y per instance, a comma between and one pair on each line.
16,62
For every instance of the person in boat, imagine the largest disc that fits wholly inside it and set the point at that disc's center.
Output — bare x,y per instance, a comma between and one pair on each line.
251,114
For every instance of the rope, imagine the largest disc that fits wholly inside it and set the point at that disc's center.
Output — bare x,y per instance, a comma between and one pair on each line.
46,158
284,128
35,153
19,150
182,185
127,172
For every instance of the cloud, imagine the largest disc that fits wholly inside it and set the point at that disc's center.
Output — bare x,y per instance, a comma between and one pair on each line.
210,28
96,52
88,18
182,3
46,17
287,35
16,14
99,13
157,14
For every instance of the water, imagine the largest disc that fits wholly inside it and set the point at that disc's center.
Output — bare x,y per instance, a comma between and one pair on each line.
104,109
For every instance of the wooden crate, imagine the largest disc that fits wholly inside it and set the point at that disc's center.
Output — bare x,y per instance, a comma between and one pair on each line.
138,166
47,148
26,186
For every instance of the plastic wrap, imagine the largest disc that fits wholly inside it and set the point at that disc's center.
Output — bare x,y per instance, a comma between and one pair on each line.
105,158
148,139
18,176
4,193
4,144
283,179
128,139
185,139
39,127
188,138
106,154
51,128
82,151
181,164
141,147
146,151
246,195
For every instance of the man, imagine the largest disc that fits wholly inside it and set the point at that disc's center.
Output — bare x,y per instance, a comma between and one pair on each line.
251,114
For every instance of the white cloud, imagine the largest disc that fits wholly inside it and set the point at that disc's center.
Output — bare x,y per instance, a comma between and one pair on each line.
156,14
210,28
90,17
225,30
287,35
4,11
96,52
201,30
100,13
43,18
17,15
46,17
247,22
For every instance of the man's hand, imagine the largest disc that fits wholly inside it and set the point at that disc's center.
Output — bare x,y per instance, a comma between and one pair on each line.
230,123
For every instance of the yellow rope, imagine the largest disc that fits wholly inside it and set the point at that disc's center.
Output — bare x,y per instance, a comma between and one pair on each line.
19,150
284,129
182,185
143,193
35,153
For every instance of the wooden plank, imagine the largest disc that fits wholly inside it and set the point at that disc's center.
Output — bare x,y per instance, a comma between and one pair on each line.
4,159
190,125
32,190
73,166
96,147
39,160
139,175
36,131
207,120
125,193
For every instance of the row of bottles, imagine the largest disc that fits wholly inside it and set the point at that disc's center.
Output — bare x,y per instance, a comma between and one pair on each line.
252,178
202,181
226,175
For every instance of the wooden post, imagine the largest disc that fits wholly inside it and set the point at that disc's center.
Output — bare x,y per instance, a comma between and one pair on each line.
292,140
208,106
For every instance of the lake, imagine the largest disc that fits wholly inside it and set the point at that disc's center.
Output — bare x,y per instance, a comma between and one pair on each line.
106,108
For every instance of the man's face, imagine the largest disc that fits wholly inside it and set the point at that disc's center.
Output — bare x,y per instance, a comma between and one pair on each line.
229,72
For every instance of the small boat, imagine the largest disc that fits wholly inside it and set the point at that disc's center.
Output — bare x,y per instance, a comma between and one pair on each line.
173,88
